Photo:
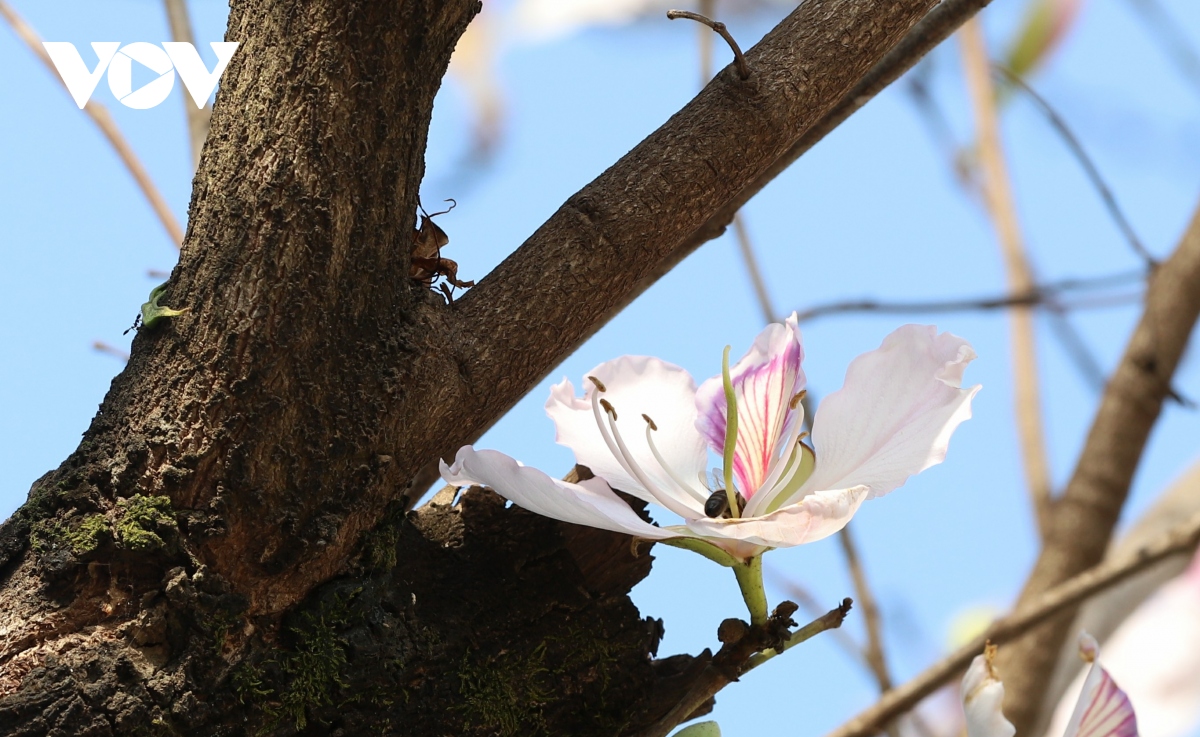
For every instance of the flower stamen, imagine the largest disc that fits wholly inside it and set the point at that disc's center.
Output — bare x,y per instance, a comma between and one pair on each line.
650,426
633,469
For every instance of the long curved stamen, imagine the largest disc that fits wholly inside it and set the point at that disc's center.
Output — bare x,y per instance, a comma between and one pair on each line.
630,465
650,426
731,426
612,447
789,447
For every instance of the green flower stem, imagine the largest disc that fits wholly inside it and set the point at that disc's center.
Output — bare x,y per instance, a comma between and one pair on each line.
731,429
750,579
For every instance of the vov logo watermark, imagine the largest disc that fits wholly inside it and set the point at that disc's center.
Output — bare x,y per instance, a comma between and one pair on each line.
118,61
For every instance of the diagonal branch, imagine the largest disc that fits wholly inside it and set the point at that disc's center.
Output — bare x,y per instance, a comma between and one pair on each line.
1086,513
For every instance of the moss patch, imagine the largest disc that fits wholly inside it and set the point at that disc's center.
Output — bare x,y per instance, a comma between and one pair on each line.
140,516
506,693
80,535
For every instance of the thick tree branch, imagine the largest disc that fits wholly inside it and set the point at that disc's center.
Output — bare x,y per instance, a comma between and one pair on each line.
1084,516
622,231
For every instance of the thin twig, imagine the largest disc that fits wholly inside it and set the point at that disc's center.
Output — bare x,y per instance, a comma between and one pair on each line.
197,118
1089,167
802,596
746,248
1042,295
738,59
1003,212
709,8
870,611
103,120
1060,598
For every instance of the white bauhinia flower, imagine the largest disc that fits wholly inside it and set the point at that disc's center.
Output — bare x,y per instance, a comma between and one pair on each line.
1156,655
643,427
1102,710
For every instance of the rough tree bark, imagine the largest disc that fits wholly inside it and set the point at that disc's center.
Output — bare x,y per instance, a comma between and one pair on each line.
229,550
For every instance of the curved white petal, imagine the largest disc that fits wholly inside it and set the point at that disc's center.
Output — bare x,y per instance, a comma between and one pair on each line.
636,386
1103,709
815,517
589,502
764,381
1155,655
894,416
983,695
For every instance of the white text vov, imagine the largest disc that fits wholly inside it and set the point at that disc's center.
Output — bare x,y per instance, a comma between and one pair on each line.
118,60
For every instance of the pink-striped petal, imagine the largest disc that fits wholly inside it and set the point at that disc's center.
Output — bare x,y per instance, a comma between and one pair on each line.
765,380
591,503
1103,709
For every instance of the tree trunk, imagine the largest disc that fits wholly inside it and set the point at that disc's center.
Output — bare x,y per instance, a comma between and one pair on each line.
230,551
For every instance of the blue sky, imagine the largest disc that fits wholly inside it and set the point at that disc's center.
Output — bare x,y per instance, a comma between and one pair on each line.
873,211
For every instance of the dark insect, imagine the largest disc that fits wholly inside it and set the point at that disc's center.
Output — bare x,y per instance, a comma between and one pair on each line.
427,263
717,504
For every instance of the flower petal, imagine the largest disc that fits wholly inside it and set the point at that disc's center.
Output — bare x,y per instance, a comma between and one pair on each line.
815,517
764,382
1103,709
589,502
637,385
894,416
983,695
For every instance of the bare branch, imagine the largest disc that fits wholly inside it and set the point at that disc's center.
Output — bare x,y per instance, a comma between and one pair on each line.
1043,295
1051,602
1089,167
197,118
1088,510
738,59
870,611
1001,208
746,249
103,120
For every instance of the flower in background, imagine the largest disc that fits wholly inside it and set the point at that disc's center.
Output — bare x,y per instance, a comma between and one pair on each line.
643,427
1156,655
1103,709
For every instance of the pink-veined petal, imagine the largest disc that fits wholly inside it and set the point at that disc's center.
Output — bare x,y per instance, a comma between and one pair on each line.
1103,709
764,381
636,385
589,502
895,414
815,517
983,695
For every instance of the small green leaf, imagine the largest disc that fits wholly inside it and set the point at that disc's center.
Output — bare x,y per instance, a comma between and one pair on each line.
152,311
701,729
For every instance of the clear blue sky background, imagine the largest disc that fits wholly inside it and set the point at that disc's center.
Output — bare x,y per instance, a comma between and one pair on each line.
873,211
